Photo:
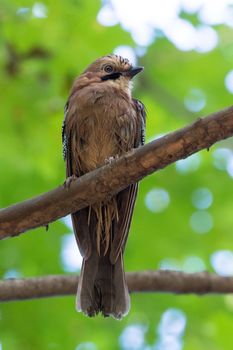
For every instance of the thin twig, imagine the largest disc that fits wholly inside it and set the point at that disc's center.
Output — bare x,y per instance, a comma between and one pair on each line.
146,281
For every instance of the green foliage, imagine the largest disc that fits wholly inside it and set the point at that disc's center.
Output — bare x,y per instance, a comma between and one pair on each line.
39,59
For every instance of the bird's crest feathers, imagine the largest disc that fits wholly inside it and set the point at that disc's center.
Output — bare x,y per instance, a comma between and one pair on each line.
118,63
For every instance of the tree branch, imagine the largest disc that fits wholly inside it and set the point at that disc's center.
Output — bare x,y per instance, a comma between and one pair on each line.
147,281
102,183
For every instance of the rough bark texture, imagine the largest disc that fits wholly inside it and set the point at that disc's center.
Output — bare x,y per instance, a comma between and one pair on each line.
147,281
110,179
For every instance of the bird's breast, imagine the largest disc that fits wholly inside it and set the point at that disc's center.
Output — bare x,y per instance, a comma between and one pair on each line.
105,127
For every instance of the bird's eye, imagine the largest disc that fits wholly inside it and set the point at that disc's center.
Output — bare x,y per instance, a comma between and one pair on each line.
108,68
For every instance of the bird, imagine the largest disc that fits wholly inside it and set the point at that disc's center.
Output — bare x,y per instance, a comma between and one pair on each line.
102,121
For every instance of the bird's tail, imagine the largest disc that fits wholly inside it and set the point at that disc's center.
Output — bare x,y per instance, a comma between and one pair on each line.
102,287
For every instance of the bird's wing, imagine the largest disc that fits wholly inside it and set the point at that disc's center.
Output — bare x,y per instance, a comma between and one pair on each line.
126,198
80,218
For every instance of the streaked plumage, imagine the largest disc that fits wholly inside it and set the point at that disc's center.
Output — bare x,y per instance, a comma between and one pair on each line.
102,120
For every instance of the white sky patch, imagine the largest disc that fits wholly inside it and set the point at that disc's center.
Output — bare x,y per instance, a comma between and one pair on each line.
229,18
171,330
140,51
186,37
182,34
140,21
143,37
39,10
161,14
207,39
67,221
214,13
222,262
107,16
70,256
126,52
144,21
229,81
133,337
153,13
191,6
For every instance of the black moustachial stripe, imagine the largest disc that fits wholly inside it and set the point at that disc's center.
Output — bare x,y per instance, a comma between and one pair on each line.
112,76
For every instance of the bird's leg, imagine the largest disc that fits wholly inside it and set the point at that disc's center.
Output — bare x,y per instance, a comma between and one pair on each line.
68,181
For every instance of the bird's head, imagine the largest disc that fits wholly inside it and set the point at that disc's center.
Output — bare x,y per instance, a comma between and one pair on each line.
112,71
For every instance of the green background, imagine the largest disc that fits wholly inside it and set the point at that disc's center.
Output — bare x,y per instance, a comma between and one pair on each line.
39,58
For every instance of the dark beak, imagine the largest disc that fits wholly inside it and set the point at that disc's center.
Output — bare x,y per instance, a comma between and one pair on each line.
133,71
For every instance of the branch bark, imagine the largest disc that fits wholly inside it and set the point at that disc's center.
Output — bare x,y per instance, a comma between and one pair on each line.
104,182
147,281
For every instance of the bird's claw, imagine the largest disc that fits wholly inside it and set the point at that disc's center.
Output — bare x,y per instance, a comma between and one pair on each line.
68,181
111,159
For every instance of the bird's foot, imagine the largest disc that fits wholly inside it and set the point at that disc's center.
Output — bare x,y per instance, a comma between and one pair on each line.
111,159
68,181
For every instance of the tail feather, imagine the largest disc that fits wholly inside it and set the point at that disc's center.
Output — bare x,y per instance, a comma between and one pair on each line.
102,287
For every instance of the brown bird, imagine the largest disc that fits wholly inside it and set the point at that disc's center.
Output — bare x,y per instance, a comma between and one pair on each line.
103,121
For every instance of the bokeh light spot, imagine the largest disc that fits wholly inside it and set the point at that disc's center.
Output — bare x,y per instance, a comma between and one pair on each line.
221,158
190,264
12,273
230,166
207,39
193,264
201,221
86,346
202,198
132,338
157,200
171,330
170,264
195,100
39,10
188,165
222,262
229,81
23,11
173,322
191,6
107,16
143,37
182,34
213,13
156,18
